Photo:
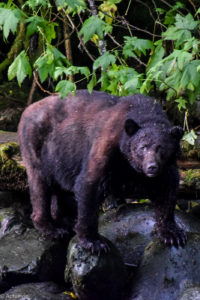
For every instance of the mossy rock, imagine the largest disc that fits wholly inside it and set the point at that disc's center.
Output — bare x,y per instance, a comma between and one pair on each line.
192,178
7,150
189,151
13,174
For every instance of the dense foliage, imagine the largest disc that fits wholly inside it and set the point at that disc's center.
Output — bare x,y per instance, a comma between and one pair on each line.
162,59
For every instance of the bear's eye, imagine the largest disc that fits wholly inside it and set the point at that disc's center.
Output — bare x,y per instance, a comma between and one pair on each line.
143,148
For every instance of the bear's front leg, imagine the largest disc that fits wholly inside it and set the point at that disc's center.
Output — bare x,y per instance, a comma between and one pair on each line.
165,201
87,223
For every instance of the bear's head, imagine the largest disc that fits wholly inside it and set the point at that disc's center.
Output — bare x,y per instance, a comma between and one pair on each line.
150,148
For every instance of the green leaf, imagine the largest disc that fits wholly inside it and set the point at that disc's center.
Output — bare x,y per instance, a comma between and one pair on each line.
92,26
47,63
35,3
9,19
133,85
190,137
65,87
72,70
181,103
58,56
190,74
50,31
134,45
186,22
20,68
84,71
156,56
92,83
37,23
184,58
192,44
170,14
177,35
71,3
181,32
113,1
34,22
104,61
198,11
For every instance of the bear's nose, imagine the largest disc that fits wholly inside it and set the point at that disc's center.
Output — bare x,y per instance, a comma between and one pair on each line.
152,168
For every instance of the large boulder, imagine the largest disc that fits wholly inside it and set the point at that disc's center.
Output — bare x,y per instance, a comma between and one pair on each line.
36,291
165,273
94,276
131,228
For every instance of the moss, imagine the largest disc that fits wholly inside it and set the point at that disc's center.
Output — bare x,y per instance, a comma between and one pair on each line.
12,174
192,178
1,218
190,151
7,150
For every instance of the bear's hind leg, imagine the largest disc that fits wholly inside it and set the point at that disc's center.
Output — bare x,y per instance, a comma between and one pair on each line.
41,206
61,221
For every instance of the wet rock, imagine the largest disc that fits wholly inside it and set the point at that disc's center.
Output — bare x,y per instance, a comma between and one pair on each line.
36,291
8,220
131,227
15,209
95,277
192,293
165,272
6,136
25,256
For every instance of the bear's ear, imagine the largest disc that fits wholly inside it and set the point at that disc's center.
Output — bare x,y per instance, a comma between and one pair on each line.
177,132
131,127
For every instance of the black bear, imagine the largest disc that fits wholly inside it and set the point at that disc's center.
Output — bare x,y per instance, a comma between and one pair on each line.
92,144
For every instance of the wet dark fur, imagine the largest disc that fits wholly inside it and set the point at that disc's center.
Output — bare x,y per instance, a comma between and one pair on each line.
96,144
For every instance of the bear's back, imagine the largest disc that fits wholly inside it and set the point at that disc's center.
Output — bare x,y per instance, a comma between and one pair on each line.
145,111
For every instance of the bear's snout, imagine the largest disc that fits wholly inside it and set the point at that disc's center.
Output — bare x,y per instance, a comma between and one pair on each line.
151,166
152,169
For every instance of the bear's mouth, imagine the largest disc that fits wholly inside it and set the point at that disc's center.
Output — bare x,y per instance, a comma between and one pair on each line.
152,174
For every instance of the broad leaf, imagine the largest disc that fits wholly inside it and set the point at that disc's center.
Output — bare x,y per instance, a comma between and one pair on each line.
190,137
20,68
181,103
37,23
65,87
177,35
9,19
47,63
104,61
73,4
156,56
35,3
186,22
184,58
72,70
133,46
92,83
92,26
190,74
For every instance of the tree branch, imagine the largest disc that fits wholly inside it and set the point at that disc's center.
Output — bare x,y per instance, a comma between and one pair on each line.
80,39
102,44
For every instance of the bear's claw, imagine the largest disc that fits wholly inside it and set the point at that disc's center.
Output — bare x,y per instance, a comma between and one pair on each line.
97,246
172,235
